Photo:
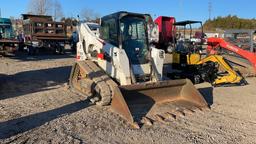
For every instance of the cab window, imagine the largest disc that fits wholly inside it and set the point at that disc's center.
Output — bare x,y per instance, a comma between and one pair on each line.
108,31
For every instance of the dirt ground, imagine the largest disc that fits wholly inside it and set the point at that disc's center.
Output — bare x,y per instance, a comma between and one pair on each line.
36,106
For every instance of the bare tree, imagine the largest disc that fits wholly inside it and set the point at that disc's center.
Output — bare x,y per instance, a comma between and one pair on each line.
89,14
40,7
57,10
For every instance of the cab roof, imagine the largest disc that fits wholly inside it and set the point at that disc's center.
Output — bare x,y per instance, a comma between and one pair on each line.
120,14
183,23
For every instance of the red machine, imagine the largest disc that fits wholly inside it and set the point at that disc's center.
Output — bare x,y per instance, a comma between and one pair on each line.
215,44
166,31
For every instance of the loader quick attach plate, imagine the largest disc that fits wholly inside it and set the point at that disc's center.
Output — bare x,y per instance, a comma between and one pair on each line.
160,101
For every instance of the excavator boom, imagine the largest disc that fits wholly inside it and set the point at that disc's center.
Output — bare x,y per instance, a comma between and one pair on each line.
214,44
232,77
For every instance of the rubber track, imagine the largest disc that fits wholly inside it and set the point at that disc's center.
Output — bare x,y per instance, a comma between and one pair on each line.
103,83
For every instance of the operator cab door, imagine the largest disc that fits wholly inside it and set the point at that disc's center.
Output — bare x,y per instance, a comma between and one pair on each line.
116,62
134,42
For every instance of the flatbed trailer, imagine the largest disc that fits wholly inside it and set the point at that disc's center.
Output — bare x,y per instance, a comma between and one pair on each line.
41,32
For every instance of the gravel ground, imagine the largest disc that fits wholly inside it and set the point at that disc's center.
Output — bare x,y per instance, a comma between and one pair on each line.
36,106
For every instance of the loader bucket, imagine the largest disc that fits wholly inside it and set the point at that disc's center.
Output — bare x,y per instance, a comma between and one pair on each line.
156,100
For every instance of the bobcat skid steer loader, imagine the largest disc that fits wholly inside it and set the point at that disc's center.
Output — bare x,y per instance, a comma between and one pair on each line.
120,68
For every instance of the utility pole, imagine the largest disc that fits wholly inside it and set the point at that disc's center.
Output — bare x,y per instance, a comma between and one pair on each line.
0,12
210,9
55,10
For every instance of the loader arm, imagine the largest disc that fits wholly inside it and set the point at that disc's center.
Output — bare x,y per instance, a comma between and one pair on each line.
232,77
88,42
215,43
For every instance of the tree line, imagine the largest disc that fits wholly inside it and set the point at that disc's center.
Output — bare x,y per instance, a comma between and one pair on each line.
229,22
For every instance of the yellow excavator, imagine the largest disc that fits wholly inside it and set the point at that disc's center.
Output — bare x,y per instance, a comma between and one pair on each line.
188,60
120,68
213,69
